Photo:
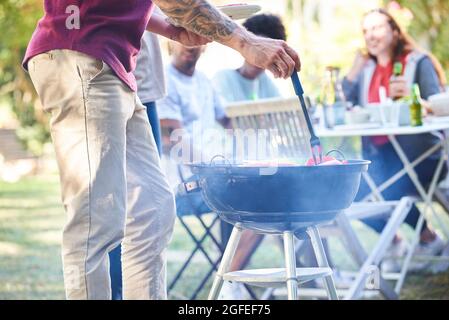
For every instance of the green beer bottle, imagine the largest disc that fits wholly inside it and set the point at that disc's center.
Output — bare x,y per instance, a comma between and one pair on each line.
397,69
415,107
397,72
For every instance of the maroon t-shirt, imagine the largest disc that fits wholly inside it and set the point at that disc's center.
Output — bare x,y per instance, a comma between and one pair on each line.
110,30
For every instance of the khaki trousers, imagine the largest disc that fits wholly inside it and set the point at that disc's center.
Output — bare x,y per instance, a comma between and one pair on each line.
113,188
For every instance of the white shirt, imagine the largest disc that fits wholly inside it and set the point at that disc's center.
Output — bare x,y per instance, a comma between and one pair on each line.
149,72
192,100
233,87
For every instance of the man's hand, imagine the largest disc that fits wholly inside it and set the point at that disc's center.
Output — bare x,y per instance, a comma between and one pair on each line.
399,88
200,17
274,55
188,38
427,109
159,25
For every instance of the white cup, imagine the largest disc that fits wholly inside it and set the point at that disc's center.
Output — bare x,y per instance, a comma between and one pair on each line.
357,116
390,114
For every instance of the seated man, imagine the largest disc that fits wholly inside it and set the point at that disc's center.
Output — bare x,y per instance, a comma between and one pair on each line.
248,83
191,105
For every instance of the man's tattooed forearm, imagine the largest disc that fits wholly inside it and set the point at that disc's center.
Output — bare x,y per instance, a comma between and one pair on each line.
200,17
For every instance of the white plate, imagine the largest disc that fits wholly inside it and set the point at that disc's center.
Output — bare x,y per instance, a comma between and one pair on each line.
434,119
359,126
239,11
233,11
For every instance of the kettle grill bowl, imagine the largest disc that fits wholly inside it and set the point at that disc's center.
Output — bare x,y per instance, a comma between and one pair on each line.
293,198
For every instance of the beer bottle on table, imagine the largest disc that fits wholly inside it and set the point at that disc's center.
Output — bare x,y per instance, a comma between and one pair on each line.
327,98
340,104
416,107
332,98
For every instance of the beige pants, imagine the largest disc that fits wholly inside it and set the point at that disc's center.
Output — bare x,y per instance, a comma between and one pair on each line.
113,189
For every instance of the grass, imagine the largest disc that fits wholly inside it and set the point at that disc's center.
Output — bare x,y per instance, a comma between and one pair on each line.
30,224
31,220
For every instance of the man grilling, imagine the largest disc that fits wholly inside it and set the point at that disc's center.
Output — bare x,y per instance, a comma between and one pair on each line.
112,186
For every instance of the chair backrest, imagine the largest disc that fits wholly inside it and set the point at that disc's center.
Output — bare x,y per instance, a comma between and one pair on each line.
283,117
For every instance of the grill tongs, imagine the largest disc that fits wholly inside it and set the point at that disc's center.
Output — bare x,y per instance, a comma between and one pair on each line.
315,143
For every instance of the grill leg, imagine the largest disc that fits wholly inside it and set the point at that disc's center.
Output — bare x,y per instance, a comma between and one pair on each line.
290,264
229,253
322,261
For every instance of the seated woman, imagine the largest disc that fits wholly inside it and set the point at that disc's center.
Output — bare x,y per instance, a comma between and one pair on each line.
387,44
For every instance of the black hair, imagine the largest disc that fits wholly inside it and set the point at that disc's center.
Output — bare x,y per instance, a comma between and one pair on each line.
266,25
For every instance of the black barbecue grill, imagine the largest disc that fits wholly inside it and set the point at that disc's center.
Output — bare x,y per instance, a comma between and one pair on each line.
290,198
284,199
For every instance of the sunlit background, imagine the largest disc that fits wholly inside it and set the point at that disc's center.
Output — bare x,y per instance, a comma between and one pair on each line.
324,32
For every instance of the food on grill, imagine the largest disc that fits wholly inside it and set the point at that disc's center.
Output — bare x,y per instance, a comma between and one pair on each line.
271,163
327,161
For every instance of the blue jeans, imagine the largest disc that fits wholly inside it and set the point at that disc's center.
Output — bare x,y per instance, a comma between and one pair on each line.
385,163
115,269
155,125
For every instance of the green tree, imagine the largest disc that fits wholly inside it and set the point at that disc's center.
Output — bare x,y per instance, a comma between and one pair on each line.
326,33
430,26
17,21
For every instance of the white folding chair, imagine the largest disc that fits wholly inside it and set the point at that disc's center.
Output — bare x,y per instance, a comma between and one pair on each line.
285,119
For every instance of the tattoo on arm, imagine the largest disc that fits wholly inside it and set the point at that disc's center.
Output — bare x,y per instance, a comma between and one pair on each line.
200,17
